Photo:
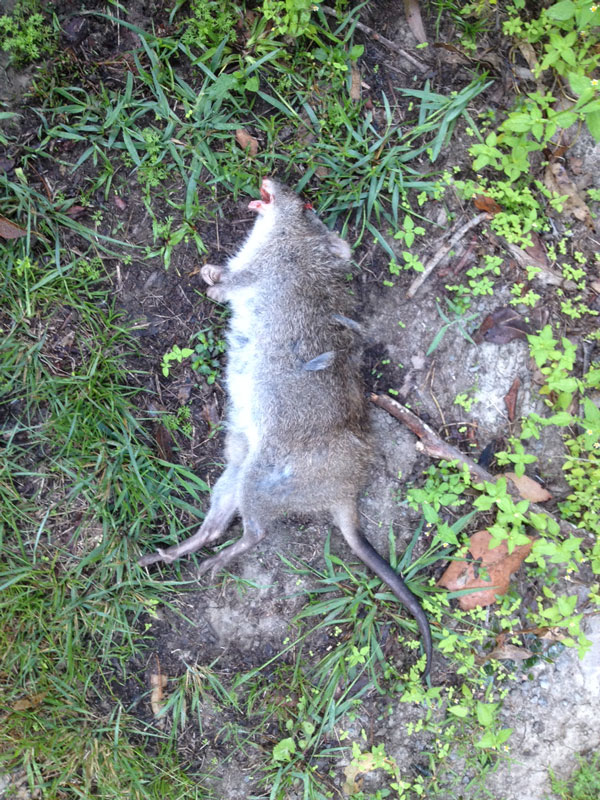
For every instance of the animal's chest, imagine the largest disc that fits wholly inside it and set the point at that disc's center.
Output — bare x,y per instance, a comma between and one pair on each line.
243,365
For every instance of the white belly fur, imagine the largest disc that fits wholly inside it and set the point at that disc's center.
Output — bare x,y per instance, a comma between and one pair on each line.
244,341
241,371
258,235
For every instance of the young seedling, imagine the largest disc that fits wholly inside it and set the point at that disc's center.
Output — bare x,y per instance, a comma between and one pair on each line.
459,321
175,354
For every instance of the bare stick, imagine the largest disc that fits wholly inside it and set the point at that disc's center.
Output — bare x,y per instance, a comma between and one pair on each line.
432,444
395,48
443,252
436,447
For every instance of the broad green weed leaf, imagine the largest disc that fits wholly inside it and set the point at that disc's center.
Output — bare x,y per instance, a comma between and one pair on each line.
284,750
486,713
579,83
593,124
562,11
458,711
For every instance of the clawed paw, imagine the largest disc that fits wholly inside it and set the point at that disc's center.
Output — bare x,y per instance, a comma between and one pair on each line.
213,565
217,293
211,273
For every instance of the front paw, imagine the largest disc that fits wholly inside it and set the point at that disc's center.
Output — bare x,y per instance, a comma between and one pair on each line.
218,293
211,273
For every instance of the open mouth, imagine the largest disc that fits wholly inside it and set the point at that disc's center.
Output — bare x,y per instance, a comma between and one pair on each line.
266,196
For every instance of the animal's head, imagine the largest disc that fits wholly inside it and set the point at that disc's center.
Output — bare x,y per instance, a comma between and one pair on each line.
278,200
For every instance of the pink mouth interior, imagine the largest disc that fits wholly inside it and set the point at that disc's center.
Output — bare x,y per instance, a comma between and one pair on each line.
266,197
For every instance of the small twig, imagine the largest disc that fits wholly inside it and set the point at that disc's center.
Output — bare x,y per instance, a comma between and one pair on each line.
381,39
430,376
436,447
184,295
443,252
464,257
432,444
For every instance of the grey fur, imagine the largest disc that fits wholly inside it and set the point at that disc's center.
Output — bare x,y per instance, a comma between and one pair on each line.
298,439
323,361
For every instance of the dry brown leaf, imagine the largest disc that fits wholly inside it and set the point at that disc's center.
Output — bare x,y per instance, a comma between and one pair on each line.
596,286
502,326
490,57
557,180
10,230
164,442
533,255
353,783
246,141
555,151
510,399
535,259
355,85
158,682
210,413
498,564
510,651
530,57
184,392
322,172
536,252
450,54
33,701
554,634
528,488
75,211
484,203
415,23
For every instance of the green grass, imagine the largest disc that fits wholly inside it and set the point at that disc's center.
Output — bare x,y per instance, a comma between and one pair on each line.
83,491
584,783
79,481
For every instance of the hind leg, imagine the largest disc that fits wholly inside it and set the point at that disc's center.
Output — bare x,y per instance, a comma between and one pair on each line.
253,533
223,508
262,499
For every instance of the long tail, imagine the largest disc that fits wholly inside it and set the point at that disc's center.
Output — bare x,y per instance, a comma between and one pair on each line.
367,553
361,546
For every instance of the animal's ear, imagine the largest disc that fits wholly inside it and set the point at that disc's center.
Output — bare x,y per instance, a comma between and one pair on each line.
320,362
339,247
